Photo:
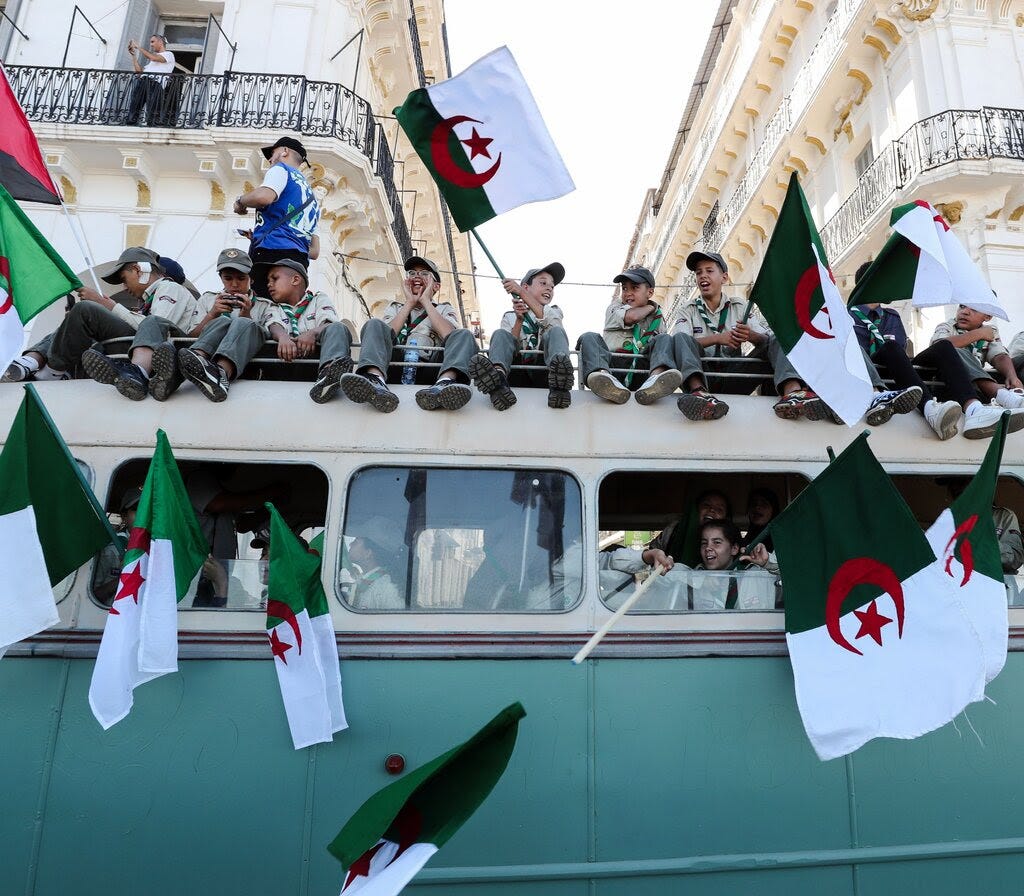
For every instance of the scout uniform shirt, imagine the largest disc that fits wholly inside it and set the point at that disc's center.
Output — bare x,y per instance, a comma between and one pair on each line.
417,325
165,299
698,321
312,310
981,350
533,328
260,313
634,339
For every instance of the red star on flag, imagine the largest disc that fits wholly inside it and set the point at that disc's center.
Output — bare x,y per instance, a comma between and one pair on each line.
871,623
478,145
279,647
131,582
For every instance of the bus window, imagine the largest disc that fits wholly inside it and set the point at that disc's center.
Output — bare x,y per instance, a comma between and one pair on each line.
228,499
639,510
474,540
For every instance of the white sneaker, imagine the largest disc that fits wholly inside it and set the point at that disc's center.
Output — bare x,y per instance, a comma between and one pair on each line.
602,383
982,422
943,418
1009,399
17,372
658,385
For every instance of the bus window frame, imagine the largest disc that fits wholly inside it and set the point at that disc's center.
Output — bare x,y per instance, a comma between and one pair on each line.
422,612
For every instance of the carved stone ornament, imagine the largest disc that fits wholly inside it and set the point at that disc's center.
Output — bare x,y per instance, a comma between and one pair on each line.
917,10
143,199
951,211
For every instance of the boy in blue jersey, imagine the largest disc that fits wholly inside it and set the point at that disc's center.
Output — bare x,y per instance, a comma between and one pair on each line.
287,213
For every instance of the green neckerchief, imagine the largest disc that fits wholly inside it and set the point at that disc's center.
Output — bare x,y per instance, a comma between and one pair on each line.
409,325
294,312
636,345
877,339
530,334
976,348
705,315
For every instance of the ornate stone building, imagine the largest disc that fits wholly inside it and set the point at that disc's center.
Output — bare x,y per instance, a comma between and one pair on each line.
328,72
874,104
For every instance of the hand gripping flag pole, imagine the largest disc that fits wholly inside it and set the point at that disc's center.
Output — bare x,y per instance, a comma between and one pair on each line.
627,604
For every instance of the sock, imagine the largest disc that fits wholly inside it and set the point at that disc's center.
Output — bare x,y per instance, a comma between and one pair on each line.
446,380
48,373
29,363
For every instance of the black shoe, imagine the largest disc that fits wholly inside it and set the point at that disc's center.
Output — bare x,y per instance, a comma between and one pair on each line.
363,388
445,394
165,377
560,379
206,376
492,382
328,379
122,375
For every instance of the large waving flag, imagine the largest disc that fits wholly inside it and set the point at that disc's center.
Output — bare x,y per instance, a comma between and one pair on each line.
797,294
165,551
965,542
396,831
22,170
924,261
879,642
32,276
302,639
482,138
50,521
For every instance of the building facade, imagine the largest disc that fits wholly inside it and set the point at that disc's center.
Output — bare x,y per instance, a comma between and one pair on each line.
874,104
327,72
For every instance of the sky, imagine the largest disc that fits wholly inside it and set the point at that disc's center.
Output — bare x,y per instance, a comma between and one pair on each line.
611,87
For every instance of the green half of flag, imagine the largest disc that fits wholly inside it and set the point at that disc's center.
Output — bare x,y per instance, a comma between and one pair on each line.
36,470
36,275
294,575
440,795
851,514
439,148
788,286
891,275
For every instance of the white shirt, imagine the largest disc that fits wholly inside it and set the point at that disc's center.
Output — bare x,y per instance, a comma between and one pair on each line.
160,68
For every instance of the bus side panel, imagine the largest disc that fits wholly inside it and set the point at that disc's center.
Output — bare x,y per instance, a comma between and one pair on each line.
537,813
31,693
977,875
709,757
775,882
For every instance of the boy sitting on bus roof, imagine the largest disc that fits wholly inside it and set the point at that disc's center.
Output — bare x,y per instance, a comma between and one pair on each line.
974,341
712,325
415,321
533,324
231,325
166,309
633,328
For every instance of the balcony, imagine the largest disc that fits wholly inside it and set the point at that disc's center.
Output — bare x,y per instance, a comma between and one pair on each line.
957,135
79,96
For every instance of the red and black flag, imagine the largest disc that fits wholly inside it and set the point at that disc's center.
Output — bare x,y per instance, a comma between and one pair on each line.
22,169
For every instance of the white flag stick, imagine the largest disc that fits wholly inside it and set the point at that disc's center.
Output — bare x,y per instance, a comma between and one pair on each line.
84,247
619,613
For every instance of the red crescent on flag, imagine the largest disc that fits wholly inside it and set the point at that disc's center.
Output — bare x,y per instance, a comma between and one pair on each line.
5,272
959,540
445,164
808,282
860,571
283,611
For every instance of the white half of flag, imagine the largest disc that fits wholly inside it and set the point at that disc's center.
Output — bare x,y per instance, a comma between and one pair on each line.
300,673
26,599
388,875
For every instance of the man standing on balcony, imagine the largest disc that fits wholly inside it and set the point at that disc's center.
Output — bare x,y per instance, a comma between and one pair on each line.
287,213
148,89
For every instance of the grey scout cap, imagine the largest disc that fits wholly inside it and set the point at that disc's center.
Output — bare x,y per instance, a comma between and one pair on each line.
235,259
418,261
111,272
694,257
292,265
556,270
635,274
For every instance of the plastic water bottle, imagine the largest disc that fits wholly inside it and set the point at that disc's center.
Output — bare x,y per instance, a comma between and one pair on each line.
411,357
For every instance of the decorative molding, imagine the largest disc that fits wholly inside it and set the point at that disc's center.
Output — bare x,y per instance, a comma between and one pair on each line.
951,211
805,5
760,230
797,163
143,198
735,263
760,85
863,79
248,187
741,134
753,113
747,246
994,214
1020,20
917,10
69,190
217,198
1017,213
777,60
888,28
731,153
877,44
771,209
815,142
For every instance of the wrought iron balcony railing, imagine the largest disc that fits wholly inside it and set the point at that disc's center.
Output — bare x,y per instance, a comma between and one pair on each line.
956,135
229,100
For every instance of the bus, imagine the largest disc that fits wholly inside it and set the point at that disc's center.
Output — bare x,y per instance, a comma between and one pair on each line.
672,760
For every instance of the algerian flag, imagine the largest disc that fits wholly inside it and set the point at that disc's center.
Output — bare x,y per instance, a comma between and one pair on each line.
396,831
50,521
797,294
482,138
32,276
879,642
965,542
924,261
165,550
302,639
